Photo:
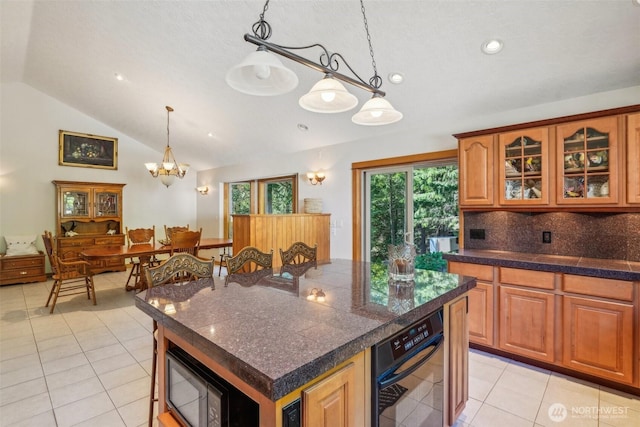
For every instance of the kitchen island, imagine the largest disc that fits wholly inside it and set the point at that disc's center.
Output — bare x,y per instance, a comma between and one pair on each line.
276,339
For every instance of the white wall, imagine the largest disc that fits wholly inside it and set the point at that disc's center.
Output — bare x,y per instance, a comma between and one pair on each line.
336,160
30,121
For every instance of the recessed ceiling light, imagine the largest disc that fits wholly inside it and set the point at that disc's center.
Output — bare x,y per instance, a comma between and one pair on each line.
491,47
302,127
636,2
210,135
396,78
119,77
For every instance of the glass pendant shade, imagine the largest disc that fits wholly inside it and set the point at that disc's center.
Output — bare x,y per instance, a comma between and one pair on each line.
328,96
376,111
262,73
167,180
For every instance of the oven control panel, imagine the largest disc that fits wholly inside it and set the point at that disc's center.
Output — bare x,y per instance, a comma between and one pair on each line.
411,337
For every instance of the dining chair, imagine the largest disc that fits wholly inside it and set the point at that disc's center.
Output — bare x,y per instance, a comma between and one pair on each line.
139,236
173,271
168,231
248,265
224,257
186,241
69,277
299,253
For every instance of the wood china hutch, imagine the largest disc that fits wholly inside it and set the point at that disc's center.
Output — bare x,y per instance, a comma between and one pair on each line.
89,215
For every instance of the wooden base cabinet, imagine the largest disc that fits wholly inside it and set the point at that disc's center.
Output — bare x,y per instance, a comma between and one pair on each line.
456,359
481,306
526,323
331,402
22,269
598,338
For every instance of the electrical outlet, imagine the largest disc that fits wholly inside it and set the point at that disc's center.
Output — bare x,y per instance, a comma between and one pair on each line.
476,233
546,237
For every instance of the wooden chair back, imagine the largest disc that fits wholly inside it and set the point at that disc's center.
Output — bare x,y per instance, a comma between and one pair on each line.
178,268
250,261
141,236
69,277
49,243
186,241
168,231
299,254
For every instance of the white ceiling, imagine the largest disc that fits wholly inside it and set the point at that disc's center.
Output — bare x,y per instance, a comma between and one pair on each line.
177,53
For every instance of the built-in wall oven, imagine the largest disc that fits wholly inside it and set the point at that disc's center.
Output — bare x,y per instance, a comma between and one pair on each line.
407,377
196,396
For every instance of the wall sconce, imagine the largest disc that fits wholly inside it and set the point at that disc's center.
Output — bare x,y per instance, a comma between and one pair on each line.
316,295
204,190
315,177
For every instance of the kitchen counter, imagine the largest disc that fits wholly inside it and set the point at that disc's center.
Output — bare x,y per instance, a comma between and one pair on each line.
595,267
276,339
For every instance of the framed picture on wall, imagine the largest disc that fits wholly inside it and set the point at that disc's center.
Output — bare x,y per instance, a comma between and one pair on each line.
87,151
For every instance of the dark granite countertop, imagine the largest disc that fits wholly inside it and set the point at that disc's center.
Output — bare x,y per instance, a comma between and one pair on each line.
595,267
276,339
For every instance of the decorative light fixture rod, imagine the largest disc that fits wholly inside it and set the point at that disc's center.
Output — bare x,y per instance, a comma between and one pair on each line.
328,66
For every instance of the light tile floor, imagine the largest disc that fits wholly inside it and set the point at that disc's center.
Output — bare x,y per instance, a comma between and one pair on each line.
88,365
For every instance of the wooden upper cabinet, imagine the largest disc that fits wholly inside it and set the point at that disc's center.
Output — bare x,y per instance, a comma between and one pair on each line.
633,158
587,162
524,167
476,168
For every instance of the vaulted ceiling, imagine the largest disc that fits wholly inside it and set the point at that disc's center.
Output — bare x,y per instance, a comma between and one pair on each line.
177,53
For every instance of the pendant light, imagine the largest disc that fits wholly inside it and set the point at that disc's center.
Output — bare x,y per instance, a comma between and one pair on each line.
328,96
168,169
375,112
261,73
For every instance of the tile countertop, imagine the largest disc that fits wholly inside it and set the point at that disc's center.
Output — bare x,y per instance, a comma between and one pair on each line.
275,339
595,267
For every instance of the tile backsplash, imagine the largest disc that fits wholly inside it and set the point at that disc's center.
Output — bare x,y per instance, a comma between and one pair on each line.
592,235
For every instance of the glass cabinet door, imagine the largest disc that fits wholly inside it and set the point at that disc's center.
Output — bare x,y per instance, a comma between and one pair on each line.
588,162
75,204
524,167
107,204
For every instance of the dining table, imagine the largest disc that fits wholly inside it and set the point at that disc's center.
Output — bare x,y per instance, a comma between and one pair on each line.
145,252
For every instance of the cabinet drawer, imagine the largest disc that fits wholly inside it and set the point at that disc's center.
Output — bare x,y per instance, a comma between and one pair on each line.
81,241
21,263
109,241
481,272
22,273
530,278
597,287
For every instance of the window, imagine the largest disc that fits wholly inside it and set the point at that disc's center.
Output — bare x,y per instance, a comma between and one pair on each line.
412,197
277,195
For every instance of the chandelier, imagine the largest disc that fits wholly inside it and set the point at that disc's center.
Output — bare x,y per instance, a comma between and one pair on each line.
261,73
169,169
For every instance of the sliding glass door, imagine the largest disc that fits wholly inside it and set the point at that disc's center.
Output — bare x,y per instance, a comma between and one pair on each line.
417,203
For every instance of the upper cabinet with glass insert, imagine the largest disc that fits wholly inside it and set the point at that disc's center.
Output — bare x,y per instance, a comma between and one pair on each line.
86,208
524,167
587,162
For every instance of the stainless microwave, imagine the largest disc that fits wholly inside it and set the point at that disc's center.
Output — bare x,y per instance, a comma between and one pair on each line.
197,397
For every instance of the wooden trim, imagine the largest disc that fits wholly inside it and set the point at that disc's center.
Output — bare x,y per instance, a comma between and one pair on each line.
357,187
356,215
225,210
554,121
406,160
